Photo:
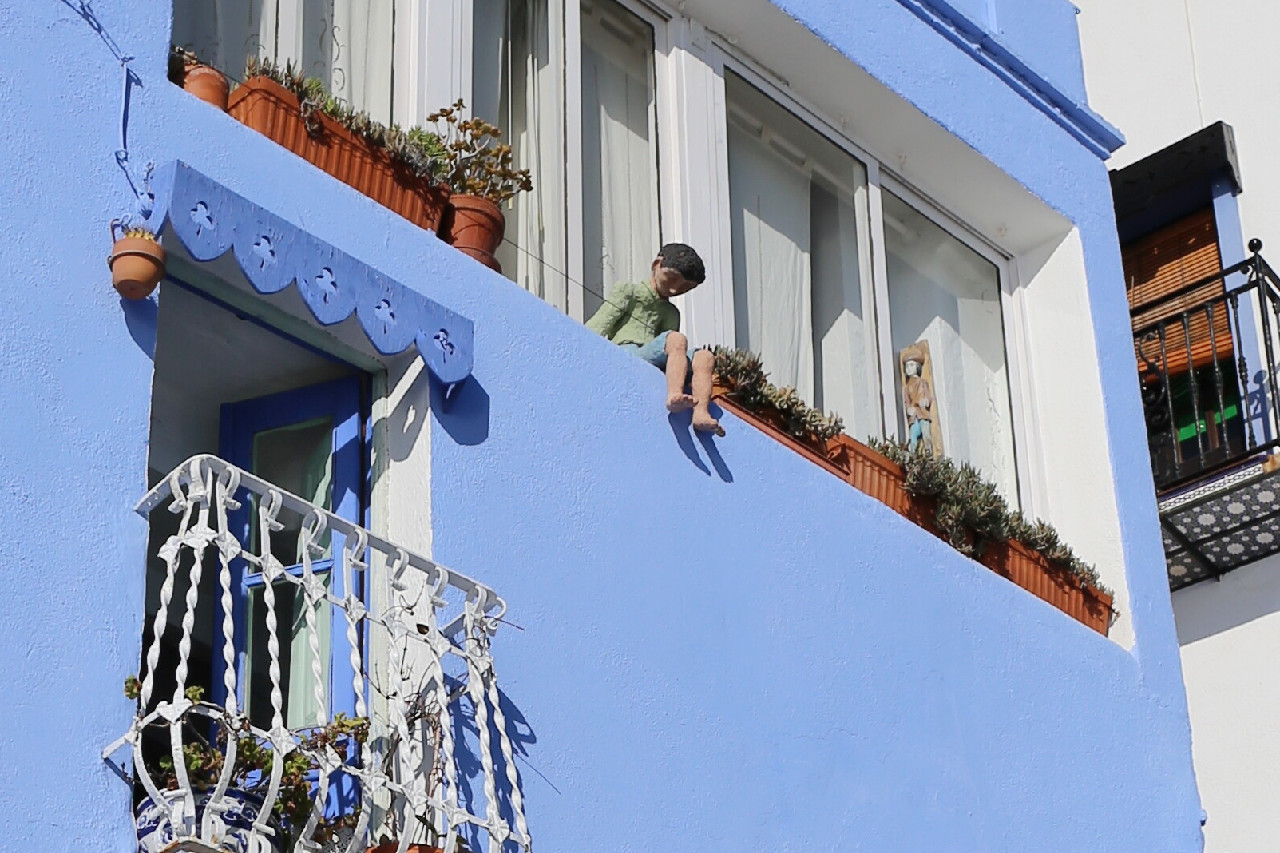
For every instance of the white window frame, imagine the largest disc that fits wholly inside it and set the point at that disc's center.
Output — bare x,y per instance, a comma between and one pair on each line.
1030,494
689,117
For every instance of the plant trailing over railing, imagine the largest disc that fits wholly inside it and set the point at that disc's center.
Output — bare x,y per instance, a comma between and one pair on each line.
418,150
971,513
475,162
251,773
742,374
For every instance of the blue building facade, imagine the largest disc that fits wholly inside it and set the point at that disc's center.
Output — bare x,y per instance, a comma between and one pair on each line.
720,646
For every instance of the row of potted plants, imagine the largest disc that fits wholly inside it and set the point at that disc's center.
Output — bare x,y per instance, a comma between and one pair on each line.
949,499
451,178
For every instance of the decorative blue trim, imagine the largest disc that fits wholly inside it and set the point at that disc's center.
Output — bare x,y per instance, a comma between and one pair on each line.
211,220
1081,122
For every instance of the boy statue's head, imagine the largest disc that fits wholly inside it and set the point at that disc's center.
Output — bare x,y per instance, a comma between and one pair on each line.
676,270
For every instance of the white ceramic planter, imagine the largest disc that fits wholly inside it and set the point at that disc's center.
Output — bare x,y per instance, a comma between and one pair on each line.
230,829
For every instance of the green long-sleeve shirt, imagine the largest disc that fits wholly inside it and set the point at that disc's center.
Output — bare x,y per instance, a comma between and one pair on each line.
634,314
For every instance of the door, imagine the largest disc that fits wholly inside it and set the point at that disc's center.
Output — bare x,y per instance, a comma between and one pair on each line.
308,441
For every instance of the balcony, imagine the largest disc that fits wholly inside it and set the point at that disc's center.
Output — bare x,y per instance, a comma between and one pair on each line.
1206,356
404,741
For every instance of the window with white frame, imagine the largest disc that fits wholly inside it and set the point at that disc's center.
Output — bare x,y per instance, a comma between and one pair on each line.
520,68
801,259
831,269
805,300
346,44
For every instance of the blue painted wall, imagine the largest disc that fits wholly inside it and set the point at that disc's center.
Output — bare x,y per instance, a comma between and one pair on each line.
723,647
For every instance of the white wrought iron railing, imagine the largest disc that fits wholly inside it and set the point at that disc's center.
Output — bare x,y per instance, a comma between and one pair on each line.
421,675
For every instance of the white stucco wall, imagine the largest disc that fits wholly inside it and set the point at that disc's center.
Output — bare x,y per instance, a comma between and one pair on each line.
1229,631
1162,69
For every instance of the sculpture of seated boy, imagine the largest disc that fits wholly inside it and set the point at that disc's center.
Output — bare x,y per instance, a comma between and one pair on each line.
641,318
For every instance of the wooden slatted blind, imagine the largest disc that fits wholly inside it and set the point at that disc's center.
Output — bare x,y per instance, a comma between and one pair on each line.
1164,262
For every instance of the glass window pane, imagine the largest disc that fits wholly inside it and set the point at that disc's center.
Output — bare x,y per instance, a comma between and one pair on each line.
619,160
517,83
801,260
945,314
299,459
293,637
346,44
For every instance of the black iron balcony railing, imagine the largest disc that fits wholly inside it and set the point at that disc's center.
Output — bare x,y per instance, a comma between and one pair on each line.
1207,367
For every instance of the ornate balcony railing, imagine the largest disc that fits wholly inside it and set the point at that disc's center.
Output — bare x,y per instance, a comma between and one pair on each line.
1208,402
432,760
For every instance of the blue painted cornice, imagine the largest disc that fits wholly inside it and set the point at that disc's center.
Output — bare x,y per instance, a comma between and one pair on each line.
1077,119
210,220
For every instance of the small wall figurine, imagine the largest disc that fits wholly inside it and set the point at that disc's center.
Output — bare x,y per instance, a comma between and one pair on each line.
918,402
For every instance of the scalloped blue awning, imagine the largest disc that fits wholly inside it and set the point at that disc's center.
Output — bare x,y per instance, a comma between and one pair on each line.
210,219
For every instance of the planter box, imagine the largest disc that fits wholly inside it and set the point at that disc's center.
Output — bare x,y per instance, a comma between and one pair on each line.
269,108
881,478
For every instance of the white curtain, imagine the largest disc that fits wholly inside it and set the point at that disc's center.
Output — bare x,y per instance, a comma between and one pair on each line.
769,198
345,43
845,364
801,260
619,169
518,84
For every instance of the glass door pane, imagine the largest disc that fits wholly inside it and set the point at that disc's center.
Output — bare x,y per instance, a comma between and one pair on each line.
619,150
945,315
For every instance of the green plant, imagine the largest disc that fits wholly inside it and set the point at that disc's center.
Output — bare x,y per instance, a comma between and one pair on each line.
416,149
971,513
254,761
475,161
140,233
742,373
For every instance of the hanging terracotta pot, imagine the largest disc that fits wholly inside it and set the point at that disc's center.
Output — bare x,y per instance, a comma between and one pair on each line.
207,84
137,261
474,225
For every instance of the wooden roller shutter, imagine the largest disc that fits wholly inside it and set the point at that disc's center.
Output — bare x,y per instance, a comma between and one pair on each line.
1162,263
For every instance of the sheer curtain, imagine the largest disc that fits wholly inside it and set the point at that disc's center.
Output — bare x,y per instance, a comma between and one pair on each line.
801,258
619,162
518,84
345,43
943,292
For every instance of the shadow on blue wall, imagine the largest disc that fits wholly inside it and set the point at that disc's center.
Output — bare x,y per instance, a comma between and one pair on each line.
140,317
465,415
682,428
466,735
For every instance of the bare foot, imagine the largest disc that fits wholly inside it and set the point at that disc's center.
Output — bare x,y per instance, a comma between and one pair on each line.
703,422
679,402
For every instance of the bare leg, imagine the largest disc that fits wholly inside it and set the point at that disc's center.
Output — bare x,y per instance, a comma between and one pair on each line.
704,361
677,349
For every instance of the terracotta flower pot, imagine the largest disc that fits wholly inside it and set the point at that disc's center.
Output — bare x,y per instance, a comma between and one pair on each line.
137,265
207,84
883,479
272,110
474,226
393,846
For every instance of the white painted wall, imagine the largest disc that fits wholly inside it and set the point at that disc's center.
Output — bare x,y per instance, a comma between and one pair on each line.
1162,69
1229,631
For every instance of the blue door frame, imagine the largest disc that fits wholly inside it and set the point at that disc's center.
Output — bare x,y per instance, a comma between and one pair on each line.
343,401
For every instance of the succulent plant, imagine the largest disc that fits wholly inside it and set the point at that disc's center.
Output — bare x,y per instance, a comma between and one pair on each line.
476,162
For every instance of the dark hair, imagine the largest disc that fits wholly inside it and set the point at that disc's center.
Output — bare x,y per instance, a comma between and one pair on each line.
684,260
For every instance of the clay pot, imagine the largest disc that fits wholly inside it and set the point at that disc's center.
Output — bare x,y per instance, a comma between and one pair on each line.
262,104
137,265
207,84
393,846
474,226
